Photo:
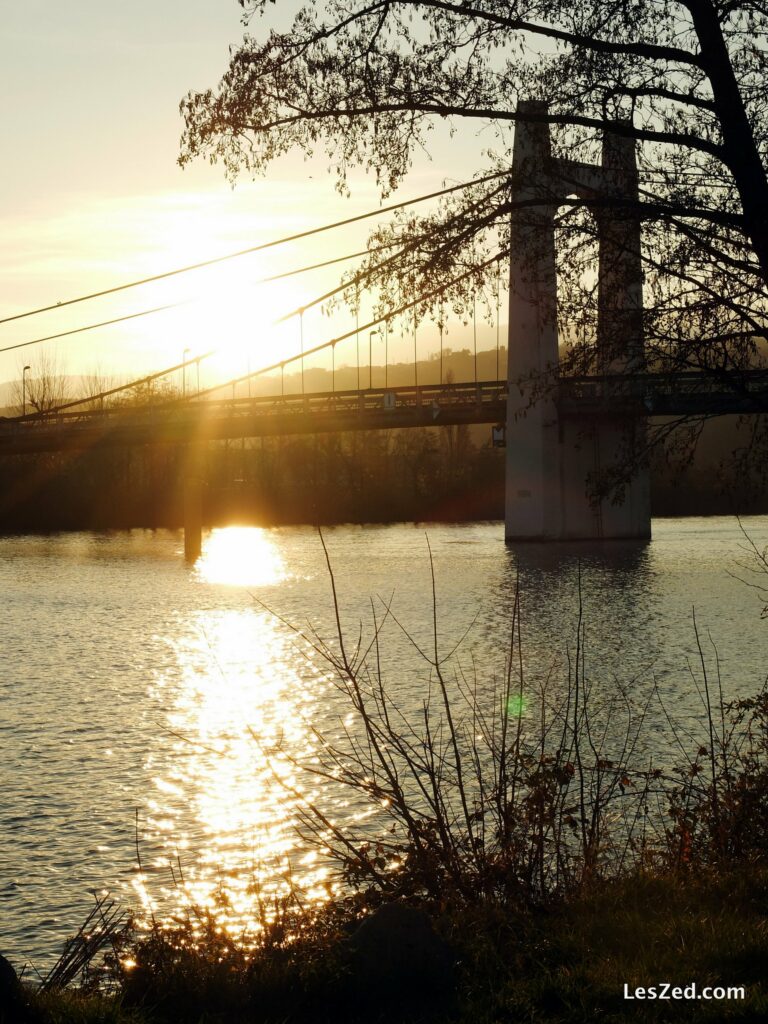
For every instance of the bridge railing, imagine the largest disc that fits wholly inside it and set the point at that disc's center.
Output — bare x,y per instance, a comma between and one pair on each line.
658,393
649,393
317,403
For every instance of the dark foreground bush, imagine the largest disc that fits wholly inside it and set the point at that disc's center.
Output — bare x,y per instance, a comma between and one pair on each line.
330,966
719,812
566,964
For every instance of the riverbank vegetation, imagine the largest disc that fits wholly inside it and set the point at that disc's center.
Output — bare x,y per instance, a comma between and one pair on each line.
522,859
565,963
446,474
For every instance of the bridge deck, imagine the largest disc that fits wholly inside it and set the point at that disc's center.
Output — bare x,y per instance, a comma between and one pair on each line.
371,409
654,394
375,409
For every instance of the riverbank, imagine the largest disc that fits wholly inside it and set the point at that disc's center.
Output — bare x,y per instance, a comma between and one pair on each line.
574,963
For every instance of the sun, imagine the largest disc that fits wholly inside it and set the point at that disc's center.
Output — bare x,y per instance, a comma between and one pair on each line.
228,320
238,317
258,324
236,313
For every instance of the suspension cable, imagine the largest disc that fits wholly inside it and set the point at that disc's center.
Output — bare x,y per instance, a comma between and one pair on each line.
257,248
389,314
186,302
281,364
92,327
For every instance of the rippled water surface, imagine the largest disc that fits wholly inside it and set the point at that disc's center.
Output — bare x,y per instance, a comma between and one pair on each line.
140,697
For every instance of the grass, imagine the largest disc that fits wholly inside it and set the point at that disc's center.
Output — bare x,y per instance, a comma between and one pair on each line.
571,965
74,1007
566,964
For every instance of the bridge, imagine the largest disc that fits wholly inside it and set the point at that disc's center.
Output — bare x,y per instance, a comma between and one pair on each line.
431,405
212,419
561,432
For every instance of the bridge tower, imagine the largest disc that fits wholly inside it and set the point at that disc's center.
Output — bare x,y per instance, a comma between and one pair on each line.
556,460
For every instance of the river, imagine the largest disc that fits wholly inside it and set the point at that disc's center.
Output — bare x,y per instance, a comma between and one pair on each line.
140,696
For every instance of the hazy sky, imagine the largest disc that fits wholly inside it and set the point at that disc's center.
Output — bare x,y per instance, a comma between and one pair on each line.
91,194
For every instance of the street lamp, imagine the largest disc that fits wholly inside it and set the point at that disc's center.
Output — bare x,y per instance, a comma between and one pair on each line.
386,351
184,355
370,359
24,390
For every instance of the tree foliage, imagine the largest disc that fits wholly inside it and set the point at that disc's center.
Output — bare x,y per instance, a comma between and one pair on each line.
45,387
366,81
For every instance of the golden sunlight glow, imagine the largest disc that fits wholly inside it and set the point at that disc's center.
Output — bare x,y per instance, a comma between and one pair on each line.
242,556
220,830
233,311
237,319
229,308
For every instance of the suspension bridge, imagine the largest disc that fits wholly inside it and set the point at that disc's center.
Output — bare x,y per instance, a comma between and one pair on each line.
560,432
373,408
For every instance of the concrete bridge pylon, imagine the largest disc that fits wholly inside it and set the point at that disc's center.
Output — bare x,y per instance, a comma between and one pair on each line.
556,462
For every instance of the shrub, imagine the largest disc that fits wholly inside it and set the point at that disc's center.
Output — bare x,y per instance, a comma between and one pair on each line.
473,800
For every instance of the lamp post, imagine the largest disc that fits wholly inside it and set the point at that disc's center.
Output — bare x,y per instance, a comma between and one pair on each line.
370,359
184,355
24,390
386,351
415,353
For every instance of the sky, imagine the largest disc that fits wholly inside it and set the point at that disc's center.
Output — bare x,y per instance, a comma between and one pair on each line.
91,194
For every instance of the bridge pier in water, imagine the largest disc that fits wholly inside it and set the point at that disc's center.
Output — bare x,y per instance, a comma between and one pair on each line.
560,461
193,518
193,501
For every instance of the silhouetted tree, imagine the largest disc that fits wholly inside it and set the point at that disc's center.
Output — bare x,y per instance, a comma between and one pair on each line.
94,384
366,80
46,384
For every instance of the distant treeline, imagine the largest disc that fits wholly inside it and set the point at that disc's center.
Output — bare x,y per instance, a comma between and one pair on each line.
371,476
441,473
445,473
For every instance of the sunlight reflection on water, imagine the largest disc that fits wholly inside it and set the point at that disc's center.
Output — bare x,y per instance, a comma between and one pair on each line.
240,556
235,708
